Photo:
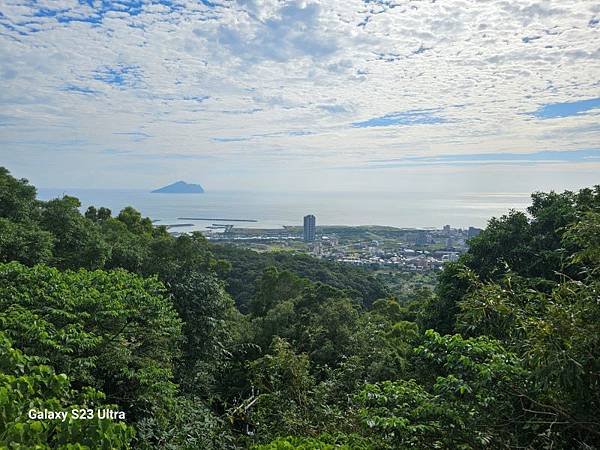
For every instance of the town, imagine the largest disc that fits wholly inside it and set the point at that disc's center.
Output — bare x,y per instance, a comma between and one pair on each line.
373,247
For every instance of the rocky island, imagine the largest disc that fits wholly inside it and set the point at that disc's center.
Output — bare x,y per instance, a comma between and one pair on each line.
180,187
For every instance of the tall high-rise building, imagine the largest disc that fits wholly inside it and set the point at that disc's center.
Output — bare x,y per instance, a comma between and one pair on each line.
310,228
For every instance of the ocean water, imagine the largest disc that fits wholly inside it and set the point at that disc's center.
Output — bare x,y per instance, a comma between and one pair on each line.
275,209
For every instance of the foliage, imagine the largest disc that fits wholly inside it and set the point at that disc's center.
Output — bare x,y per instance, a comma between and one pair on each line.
192,426
408,287
316,318
284,384
24,242
129,250
273,287
585,235
247,266
208,314
540,247
172,257
17,198
557,334
463,399
322,442
77,240
26,385
111,330
439,312
506,241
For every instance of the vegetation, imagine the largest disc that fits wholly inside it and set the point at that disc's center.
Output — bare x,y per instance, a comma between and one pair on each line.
408,286
215,347
246,266
113,331
25,385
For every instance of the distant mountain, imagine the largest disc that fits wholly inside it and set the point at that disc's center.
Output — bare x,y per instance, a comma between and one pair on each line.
180,187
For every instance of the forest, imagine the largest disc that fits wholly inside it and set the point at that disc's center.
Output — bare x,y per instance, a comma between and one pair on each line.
215,347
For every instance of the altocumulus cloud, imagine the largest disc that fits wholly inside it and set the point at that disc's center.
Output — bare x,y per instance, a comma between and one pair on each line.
319,81
292,30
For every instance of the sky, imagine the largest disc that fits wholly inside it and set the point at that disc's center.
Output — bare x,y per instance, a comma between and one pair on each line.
381,95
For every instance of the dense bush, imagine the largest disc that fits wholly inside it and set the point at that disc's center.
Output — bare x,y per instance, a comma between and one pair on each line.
25,385
114,331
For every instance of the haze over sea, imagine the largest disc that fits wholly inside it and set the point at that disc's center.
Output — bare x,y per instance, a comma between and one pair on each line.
274,210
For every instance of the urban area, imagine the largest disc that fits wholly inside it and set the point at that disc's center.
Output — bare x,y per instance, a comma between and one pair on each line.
374,247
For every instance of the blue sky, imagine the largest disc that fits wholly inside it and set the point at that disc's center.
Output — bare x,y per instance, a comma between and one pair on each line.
284,94
406,118
567,109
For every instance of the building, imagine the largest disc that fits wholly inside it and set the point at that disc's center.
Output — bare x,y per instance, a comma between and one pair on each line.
310,228
473,232
421,238
331,241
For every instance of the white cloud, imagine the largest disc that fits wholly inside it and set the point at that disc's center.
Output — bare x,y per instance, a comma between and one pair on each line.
293,76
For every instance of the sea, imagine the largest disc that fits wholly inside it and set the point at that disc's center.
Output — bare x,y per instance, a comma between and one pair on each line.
271,210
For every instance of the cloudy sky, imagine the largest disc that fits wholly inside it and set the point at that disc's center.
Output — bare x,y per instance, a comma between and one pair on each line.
251,94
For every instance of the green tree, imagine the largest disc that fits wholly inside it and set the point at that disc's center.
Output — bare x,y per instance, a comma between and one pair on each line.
170,257
192,426
25,385
322,442
77,240
98,215
585,235
128,250
504,242
465,398
533,246
134,221
24,242
275,286
113,331
247,267
284,386
439,312
208,316
17,198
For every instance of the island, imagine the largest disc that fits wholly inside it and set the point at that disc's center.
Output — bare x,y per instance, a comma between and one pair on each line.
180,187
